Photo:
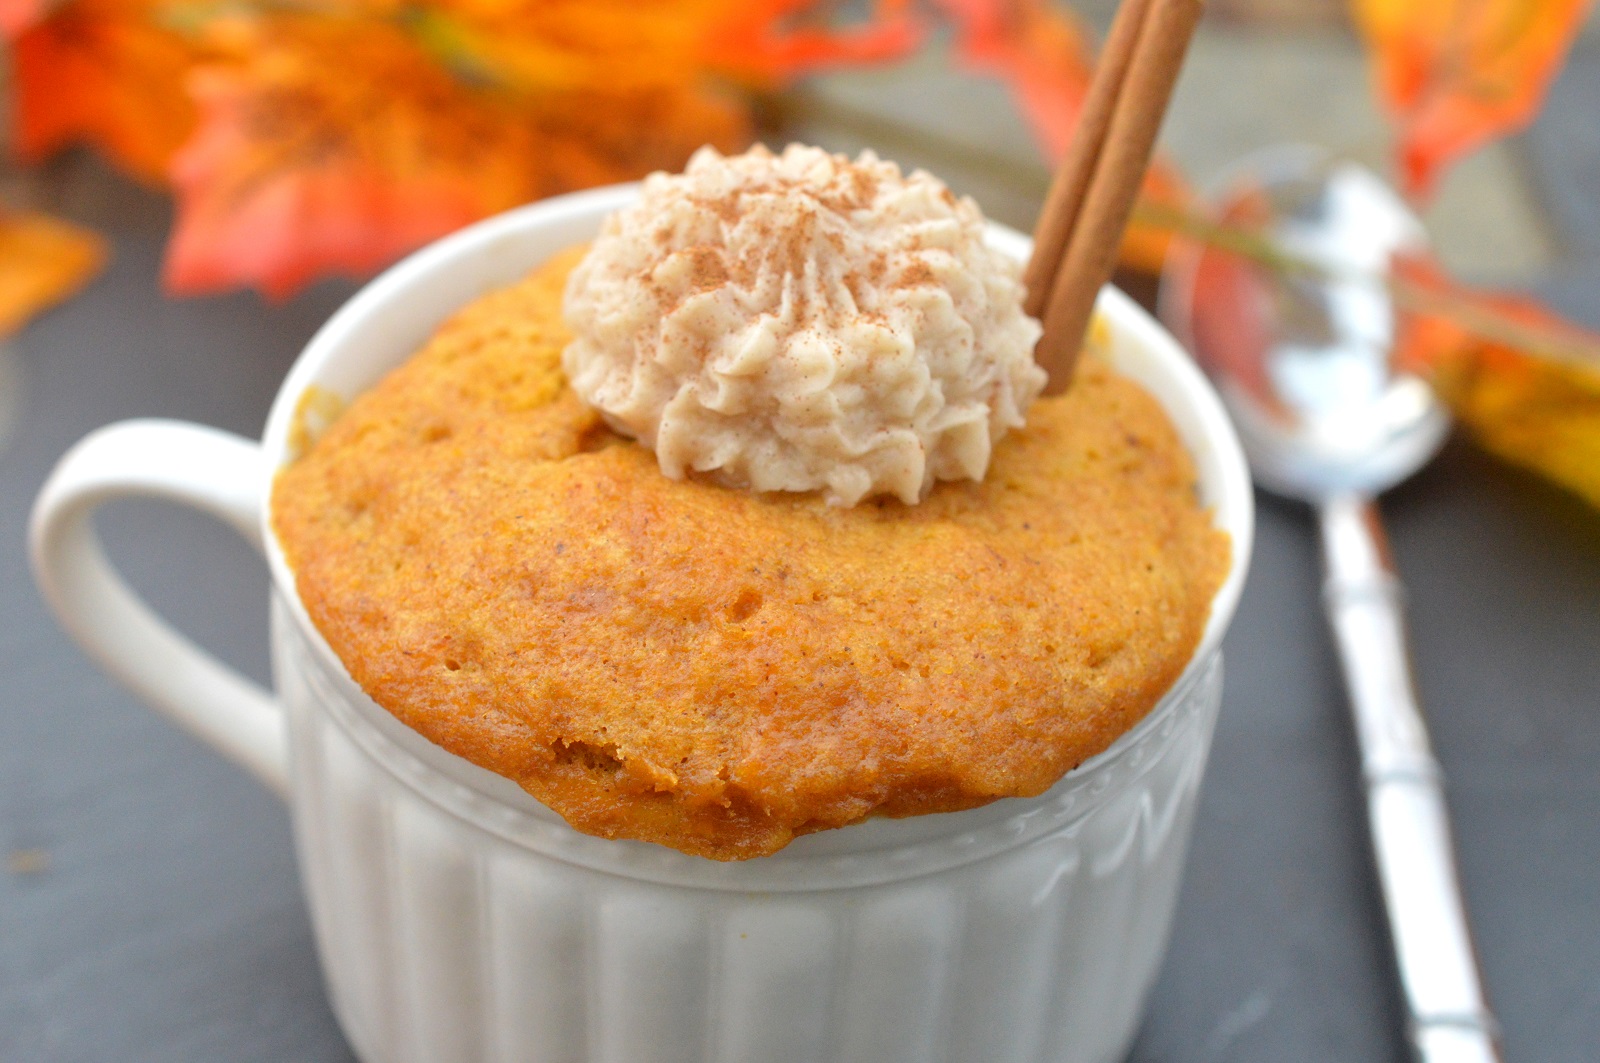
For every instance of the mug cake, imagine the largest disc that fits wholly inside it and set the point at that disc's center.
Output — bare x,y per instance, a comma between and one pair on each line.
746,521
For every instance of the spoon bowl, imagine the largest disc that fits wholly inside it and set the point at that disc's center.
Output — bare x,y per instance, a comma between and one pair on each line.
1300,354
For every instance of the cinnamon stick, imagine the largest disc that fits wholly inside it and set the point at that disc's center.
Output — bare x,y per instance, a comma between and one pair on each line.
1062,205
1116,173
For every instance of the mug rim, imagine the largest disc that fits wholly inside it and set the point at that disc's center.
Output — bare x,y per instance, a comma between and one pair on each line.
377,305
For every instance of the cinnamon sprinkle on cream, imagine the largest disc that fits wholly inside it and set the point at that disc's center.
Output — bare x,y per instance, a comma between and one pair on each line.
803,322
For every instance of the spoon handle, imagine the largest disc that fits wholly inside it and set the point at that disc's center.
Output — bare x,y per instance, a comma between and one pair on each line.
1450,1021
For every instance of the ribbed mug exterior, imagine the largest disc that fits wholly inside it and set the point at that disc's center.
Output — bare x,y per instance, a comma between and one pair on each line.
460,922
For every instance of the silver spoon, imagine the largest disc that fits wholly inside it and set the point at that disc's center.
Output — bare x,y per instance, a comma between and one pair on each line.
1301,361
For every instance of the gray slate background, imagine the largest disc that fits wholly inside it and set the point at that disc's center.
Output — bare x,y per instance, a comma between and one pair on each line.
149,909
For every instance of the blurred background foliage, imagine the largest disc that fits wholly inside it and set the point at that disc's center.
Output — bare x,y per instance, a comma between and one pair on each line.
305,138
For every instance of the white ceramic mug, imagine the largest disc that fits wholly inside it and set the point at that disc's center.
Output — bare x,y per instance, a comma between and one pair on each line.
459,920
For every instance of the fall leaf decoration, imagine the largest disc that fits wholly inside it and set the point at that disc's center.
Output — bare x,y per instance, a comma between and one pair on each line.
611,89
293,174
1538,410
18,15
774,40
1456,74
546,50
1544,416
578,92
42,261
101,72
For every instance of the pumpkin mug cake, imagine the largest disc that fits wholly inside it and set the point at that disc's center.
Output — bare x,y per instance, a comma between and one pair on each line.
746,521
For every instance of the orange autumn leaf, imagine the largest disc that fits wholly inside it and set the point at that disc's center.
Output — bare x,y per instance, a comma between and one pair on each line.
18,15
42,261
294,173
623,79
773,40
1455,74
1042,52
599,138
1540,410
556,46
105,73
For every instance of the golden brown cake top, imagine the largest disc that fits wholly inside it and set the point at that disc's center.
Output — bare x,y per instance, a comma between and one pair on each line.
718,670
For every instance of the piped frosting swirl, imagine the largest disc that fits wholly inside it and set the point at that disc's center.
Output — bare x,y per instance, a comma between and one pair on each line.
803,322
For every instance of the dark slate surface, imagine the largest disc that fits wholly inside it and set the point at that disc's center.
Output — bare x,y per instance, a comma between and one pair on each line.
149,909
1564,150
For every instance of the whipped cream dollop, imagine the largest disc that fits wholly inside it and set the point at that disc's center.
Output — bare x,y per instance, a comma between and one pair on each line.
801,322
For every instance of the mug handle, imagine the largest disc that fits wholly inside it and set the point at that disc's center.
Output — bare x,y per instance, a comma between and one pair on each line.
213,471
